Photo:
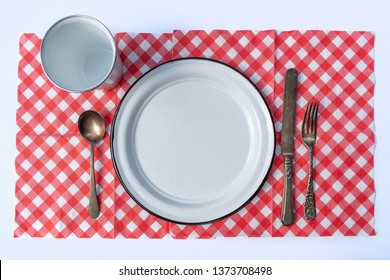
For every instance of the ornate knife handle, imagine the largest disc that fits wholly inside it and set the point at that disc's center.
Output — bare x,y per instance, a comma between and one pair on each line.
310,204
287,215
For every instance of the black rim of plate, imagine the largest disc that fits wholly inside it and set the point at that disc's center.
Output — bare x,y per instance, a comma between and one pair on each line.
112,139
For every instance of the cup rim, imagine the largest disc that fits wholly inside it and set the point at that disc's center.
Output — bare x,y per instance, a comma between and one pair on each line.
110,37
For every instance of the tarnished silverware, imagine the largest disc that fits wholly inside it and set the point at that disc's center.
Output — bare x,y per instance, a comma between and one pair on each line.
92,127
288,127
309,134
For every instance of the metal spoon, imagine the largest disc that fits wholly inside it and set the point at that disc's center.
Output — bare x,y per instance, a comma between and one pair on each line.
92,128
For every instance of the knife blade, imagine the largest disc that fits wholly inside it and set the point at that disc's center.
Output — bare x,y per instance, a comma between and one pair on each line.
288,128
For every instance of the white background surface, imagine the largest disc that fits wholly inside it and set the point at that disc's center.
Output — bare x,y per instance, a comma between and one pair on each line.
164,16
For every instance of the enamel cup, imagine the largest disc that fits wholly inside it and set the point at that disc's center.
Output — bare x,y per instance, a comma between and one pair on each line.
79,54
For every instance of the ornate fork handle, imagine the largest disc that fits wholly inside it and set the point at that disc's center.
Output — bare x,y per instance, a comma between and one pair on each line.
310,205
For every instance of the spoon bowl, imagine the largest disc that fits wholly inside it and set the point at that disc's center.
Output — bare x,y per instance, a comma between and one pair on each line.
92,128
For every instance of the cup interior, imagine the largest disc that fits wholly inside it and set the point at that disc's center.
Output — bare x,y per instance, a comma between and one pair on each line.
78,53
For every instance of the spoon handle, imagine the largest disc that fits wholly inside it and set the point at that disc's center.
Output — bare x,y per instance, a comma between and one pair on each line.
93,203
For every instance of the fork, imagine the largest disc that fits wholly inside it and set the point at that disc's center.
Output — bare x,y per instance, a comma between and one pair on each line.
309,134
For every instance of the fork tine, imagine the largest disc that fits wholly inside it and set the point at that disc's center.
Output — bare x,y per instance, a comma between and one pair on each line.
310,119
315,118
305,120
311,116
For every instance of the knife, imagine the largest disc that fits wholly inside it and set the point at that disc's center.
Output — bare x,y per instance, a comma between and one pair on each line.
288,128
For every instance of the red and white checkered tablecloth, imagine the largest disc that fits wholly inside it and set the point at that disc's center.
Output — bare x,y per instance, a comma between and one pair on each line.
335,68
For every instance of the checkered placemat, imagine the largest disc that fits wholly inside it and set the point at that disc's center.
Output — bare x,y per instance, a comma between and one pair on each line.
335,68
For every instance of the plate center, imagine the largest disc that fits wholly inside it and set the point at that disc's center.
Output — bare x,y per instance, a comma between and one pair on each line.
192,140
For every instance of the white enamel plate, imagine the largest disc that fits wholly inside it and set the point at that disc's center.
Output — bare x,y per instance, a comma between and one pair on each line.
192,141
